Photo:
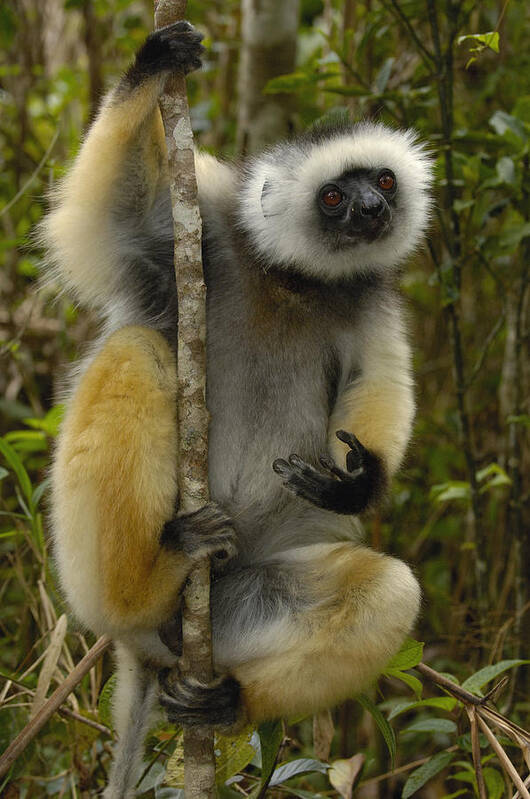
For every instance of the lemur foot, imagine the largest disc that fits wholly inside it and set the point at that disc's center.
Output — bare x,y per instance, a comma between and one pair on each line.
207,532
348,492
194,704
176,48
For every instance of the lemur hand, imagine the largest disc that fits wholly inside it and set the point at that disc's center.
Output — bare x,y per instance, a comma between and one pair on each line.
207,532
348,492
176,48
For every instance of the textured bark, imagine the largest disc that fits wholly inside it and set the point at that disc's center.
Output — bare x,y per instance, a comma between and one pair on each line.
199,760
269,29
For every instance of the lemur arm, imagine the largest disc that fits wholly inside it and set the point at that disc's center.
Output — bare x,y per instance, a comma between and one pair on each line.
369,426
109,217
377,405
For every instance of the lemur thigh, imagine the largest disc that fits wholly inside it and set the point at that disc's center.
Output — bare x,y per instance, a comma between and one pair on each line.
114,485
359,607
378,405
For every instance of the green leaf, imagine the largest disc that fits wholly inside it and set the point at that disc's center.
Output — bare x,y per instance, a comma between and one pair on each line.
296,80
27,440
105,702
506,170
233,753
523,419
303,765
409,655
453,489
514,235
409,679
445,726
50,423
490,39
271,737
476,682
440,702
494,783
424,773
39,491
502,122
383,75
384,727
3,473
18,467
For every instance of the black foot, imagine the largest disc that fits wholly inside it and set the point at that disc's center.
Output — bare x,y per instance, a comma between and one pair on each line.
176,48
349,492
194,704
207,532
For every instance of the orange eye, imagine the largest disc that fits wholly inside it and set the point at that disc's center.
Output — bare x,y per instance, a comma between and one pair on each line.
332,198
386,181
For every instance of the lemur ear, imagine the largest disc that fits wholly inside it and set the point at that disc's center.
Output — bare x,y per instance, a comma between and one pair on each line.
271,200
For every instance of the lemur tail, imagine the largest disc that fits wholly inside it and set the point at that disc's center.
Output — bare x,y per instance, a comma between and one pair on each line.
134,698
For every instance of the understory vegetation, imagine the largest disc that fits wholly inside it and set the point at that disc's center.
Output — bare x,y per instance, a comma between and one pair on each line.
457,72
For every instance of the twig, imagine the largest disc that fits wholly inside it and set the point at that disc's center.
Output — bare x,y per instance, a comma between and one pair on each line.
505,761
478,711
487,344
34,174
517,795
404,769
398,13
52,704
71,714
475,751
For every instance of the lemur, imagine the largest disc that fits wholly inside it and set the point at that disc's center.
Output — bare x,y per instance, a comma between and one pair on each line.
309,389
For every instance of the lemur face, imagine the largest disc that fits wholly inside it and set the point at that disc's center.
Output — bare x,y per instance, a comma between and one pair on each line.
357,206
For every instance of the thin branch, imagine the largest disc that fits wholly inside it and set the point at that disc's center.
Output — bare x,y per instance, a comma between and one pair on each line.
30,180
478,711
404,769
475,750
395,9
17,746
71,714
487,344
505,761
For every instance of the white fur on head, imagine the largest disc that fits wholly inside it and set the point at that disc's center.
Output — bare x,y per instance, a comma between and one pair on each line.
279,199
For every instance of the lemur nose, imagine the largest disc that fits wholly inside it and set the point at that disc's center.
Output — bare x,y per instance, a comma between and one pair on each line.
373,207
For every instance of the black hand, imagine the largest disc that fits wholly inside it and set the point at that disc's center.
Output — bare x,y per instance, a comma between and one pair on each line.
191,703
347,492
207,532
176,48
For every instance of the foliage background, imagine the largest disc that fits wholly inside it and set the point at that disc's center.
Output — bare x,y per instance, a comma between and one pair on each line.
459,508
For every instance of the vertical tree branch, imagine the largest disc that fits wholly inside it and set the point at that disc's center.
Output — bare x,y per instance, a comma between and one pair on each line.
444,79
268,31
199,760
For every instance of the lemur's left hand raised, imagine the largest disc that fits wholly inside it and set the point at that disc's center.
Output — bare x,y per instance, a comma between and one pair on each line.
349,492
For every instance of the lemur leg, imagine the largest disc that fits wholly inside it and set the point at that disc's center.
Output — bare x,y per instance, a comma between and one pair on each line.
134,700
114,491
308,631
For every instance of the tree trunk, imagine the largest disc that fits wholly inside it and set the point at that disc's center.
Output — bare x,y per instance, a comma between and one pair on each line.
268,30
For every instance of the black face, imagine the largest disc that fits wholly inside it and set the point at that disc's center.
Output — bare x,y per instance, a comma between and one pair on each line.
358,205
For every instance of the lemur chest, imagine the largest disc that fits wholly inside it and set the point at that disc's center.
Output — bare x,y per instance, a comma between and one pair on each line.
274,369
